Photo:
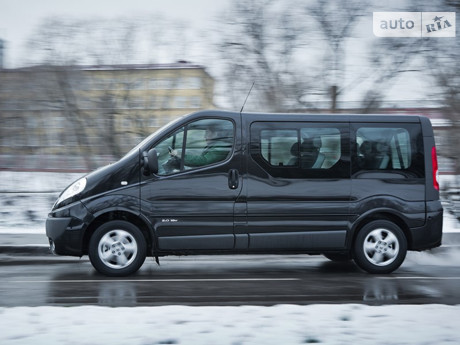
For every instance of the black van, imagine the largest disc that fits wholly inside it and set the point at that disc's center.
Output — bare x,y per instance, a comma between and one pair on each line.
361,187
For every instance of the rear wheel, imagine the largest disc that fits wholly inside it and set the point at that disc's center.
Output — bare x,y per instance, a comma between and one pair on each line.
380,247
117,248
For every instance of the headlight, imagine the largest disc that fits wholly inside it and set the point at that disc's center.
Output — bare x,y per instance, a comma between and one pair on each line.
74,189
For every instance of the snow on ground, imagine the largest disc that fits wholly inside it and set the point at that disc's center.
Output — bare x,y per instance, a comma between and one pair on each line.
280,325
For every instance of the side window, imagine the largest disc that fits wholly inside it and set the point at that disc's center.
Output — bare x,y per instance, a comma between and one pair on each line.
168,164
276,146
397,148
208,141
320,147
198,144
299,150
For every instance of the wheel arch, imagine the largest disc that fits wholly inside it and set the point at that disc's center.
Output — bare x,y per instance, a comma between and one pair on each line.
134,219
381,215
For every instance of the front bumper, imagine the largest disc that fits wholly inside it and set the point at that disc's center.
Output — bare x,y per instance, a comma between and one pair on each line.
65,229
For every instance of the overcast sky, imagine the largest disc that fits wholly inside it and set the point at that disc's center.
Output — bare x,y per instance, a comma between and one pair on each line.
18,18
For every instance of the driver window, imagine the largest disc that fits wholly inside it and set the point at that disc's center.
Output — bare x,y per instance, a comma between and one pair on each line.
167,165
207,142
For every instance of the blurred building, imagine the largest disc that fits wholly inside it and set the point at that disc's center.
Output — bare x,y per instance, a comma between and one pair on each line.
80,117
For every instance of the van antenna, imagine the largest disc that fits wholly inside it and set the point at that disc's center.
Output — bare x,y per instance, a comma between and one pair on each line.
247,97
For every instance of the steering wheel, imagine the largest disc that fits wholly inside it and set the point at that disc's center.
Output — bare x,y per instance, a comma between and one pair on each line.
172,163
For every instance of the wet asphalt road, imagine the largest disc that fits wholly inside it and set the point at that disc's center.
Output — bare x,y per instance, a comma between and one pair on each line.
424,278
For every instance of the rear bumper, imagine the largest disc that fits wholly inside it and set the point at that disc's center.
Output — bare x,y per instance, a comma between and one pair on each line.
430,235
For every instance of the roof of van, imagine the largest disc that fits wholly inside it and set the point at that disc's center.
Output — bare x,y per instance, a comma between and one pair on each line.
319,117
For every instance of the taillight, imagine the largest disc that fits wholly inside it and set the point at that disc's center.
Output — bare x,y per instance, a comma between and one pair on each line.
434,163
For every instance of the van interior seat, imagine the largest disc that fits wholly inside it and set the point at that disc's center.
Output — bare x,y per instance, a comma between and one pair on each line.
365,155
319,161
295,153
381,155
374,155
309,153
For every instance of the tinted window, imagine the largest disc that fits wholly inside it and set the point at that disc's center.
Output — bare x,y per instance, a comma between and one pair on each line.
299,150
276,146
391,148
198,144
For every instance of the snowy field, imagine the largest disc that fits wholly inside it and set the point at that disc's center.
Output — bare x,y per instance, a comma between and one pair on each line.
280,325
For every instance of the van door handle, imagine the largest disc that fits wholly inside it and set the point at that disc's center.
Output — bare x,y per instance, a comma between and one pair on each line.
233,178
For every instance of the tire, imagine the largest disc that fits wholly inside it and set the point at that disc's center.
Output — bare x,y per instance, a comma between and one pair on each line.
380,247
117,248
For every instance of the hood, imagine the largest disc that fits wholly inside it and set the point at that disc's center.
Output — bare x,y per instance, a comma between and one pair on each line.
122,173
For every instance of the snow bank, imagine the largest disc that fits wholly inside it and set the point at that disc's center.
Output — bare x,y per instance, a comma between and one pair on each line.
35,182
280,325
26,198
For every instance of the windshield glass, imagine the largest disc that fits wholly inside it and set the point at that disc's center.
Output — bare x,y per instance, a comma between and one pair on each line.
159,132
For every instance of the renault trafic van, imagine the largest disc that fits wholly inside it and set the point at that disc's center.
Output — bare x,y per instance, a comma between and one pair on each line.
350,187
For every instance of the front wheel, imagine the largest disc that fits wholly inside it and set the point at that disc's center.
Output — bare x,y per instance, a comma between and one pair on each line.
117,248
380,247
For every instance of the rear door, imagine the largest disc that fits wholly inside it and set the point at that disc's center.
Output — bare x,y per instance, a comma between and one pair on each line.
388,170
298,186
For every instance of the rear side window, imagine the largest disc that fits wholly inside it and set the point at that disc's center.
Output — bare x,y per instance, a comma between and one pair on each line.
300,150
396,148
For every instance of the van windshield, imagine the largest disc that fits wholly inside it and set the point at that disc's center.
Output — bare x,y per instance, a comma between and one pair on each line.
157,133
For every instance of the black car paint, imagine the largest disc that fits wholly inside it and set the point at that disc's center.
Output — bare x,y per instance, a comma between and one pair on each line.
197,211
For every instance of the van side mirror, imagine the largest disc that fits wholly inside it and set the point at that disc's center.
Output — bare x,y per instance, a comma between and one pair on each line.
149,162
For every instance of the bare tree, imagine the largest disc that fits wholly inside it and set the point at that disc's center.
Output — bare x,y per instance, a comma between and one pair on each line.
258,42
65,79
67,41
299,57
98,41
63,43
389,59
336,23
